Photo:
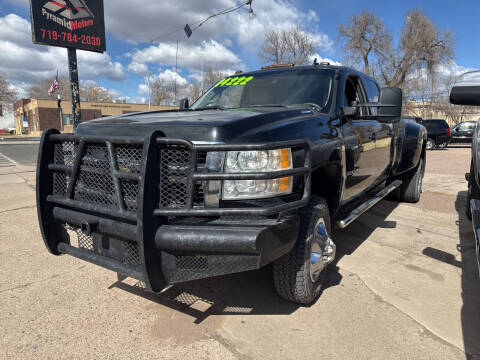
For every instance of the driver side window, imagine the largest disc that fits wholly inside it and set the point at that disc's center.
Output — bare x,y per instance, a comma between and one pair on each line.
353,92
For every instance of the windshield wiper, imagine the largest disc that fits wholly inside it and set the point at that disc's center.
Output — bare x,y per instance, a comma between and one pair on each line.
213,107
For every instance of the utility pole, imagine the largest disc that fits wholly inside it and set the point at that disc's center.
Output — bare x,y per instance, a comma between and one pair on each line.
175,83
148,84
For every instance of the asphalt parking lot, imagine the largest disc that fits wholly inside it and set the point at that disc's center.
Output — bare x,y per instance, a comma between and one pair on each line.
399,289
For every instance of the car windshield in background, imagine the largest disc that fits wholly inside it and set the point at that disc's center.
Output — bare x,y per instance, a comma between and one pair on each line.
435,124
274,88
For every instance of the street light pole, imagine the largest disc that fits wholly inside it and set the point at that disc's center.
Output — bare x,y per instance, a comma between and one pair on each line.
175,84
148,84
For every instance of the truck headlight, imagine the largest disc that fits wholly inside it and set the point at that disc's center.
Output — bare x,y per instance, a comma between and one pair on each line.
257,161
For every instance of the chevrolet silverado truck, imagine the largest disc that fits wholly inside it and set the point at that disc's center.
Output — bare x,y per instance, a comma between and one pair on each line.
257,171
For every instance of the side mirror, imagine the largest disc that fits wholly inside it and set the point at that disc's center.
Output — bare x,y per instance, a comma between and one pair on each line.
466,90
183,104
390,109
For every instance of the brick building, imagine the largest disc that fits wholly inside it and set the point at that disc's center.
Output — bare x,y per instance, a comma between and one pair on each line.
33,116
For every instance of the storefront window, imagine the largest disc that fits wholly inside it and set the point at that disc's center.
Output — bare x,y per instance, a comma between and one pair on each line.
67,119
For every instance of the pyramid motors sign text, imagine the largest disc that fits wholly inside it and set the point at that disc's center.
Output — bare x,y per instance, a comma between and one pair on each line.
69,23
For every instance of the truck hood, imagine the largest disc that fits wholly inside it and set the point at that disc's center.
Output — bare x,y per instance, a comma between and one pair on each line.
206,125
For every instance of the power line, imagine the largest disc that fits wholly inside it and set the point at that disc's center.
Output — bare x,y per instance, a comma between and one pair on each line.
197,24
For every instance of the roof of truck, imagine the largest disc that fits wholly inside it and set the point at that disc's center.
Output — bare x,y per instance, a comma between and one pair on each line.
321,66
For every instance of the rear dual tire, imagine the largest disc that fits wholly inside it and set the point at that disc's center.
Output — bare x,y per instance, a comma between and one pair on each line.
411,188
473,190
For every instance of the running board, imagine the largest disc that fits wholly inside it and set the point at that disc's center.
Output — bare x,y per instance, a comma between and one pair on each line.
342,224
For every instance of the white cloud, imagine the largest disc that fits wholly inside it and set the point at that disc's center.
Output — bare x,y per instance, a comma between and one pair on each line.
164,21
22,61
453,69
208,54
139,69
167,76
143,89
322,41
323,59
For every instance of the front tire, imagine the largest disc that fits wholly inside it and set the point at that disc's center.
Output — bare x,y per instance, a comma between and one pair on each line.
299,275
442,145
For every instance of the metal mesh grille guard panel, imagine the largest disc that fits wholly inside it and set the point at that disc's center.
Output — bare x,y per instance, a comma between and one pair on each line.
102,175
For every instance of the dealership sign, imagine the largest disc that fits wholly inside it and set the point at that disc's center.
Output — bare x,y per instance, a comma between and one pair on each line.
69,23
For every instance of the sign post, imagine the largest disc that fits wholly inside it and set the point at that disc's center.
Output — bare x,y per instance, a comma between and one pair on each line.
74,24
72,66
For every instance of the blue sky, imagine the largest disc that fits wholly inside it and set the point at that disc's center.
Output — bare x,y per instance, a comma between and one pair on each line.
227,43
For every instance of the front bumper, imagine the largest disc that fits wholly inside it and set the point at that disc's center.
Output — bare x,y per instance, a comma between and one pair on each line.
442,139
475,209
107,201
461,140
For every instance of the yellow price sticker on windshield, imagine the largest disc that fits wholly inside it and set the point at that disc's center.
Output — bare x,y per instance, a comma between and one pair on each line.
233,81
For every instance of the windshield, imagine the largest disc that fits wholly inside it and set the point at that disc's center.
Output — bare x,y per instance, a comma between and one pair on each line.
275,88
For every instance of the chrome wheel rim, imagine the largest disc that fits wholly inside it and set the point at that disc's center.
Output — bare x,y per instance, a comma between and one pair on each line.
322,250
420,179
429,144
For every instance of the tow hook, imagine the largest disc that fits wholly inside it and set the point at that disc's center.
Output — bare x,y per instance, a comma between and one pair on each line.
323,250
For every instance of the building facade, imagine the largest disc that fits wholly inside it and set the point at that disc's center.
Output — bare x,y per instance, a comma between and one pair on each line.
452,114
33,116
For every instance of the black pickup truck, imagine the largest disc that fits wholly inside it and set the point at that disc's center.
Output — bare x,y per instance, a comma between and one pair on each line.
256,171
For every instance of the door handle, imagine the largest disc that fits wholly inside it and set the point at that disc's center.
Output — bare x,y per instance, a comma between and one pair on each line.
373,137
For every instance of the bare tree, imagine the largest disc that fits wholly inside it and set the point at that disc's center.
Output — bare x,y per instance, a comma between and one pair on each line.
364,36
211,77
95,93
456,113
8,94
192,91
39,89
287,46
421,46
162,92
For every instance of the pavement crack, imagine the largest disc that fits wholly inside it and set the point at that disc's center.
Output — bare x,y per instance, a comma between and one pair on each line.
20,208
23,286
427,330
230,347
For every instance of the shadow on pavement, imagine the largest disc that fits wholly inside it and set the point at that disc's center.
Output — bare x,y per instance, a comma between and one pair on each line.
253,292
248,293
470,314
